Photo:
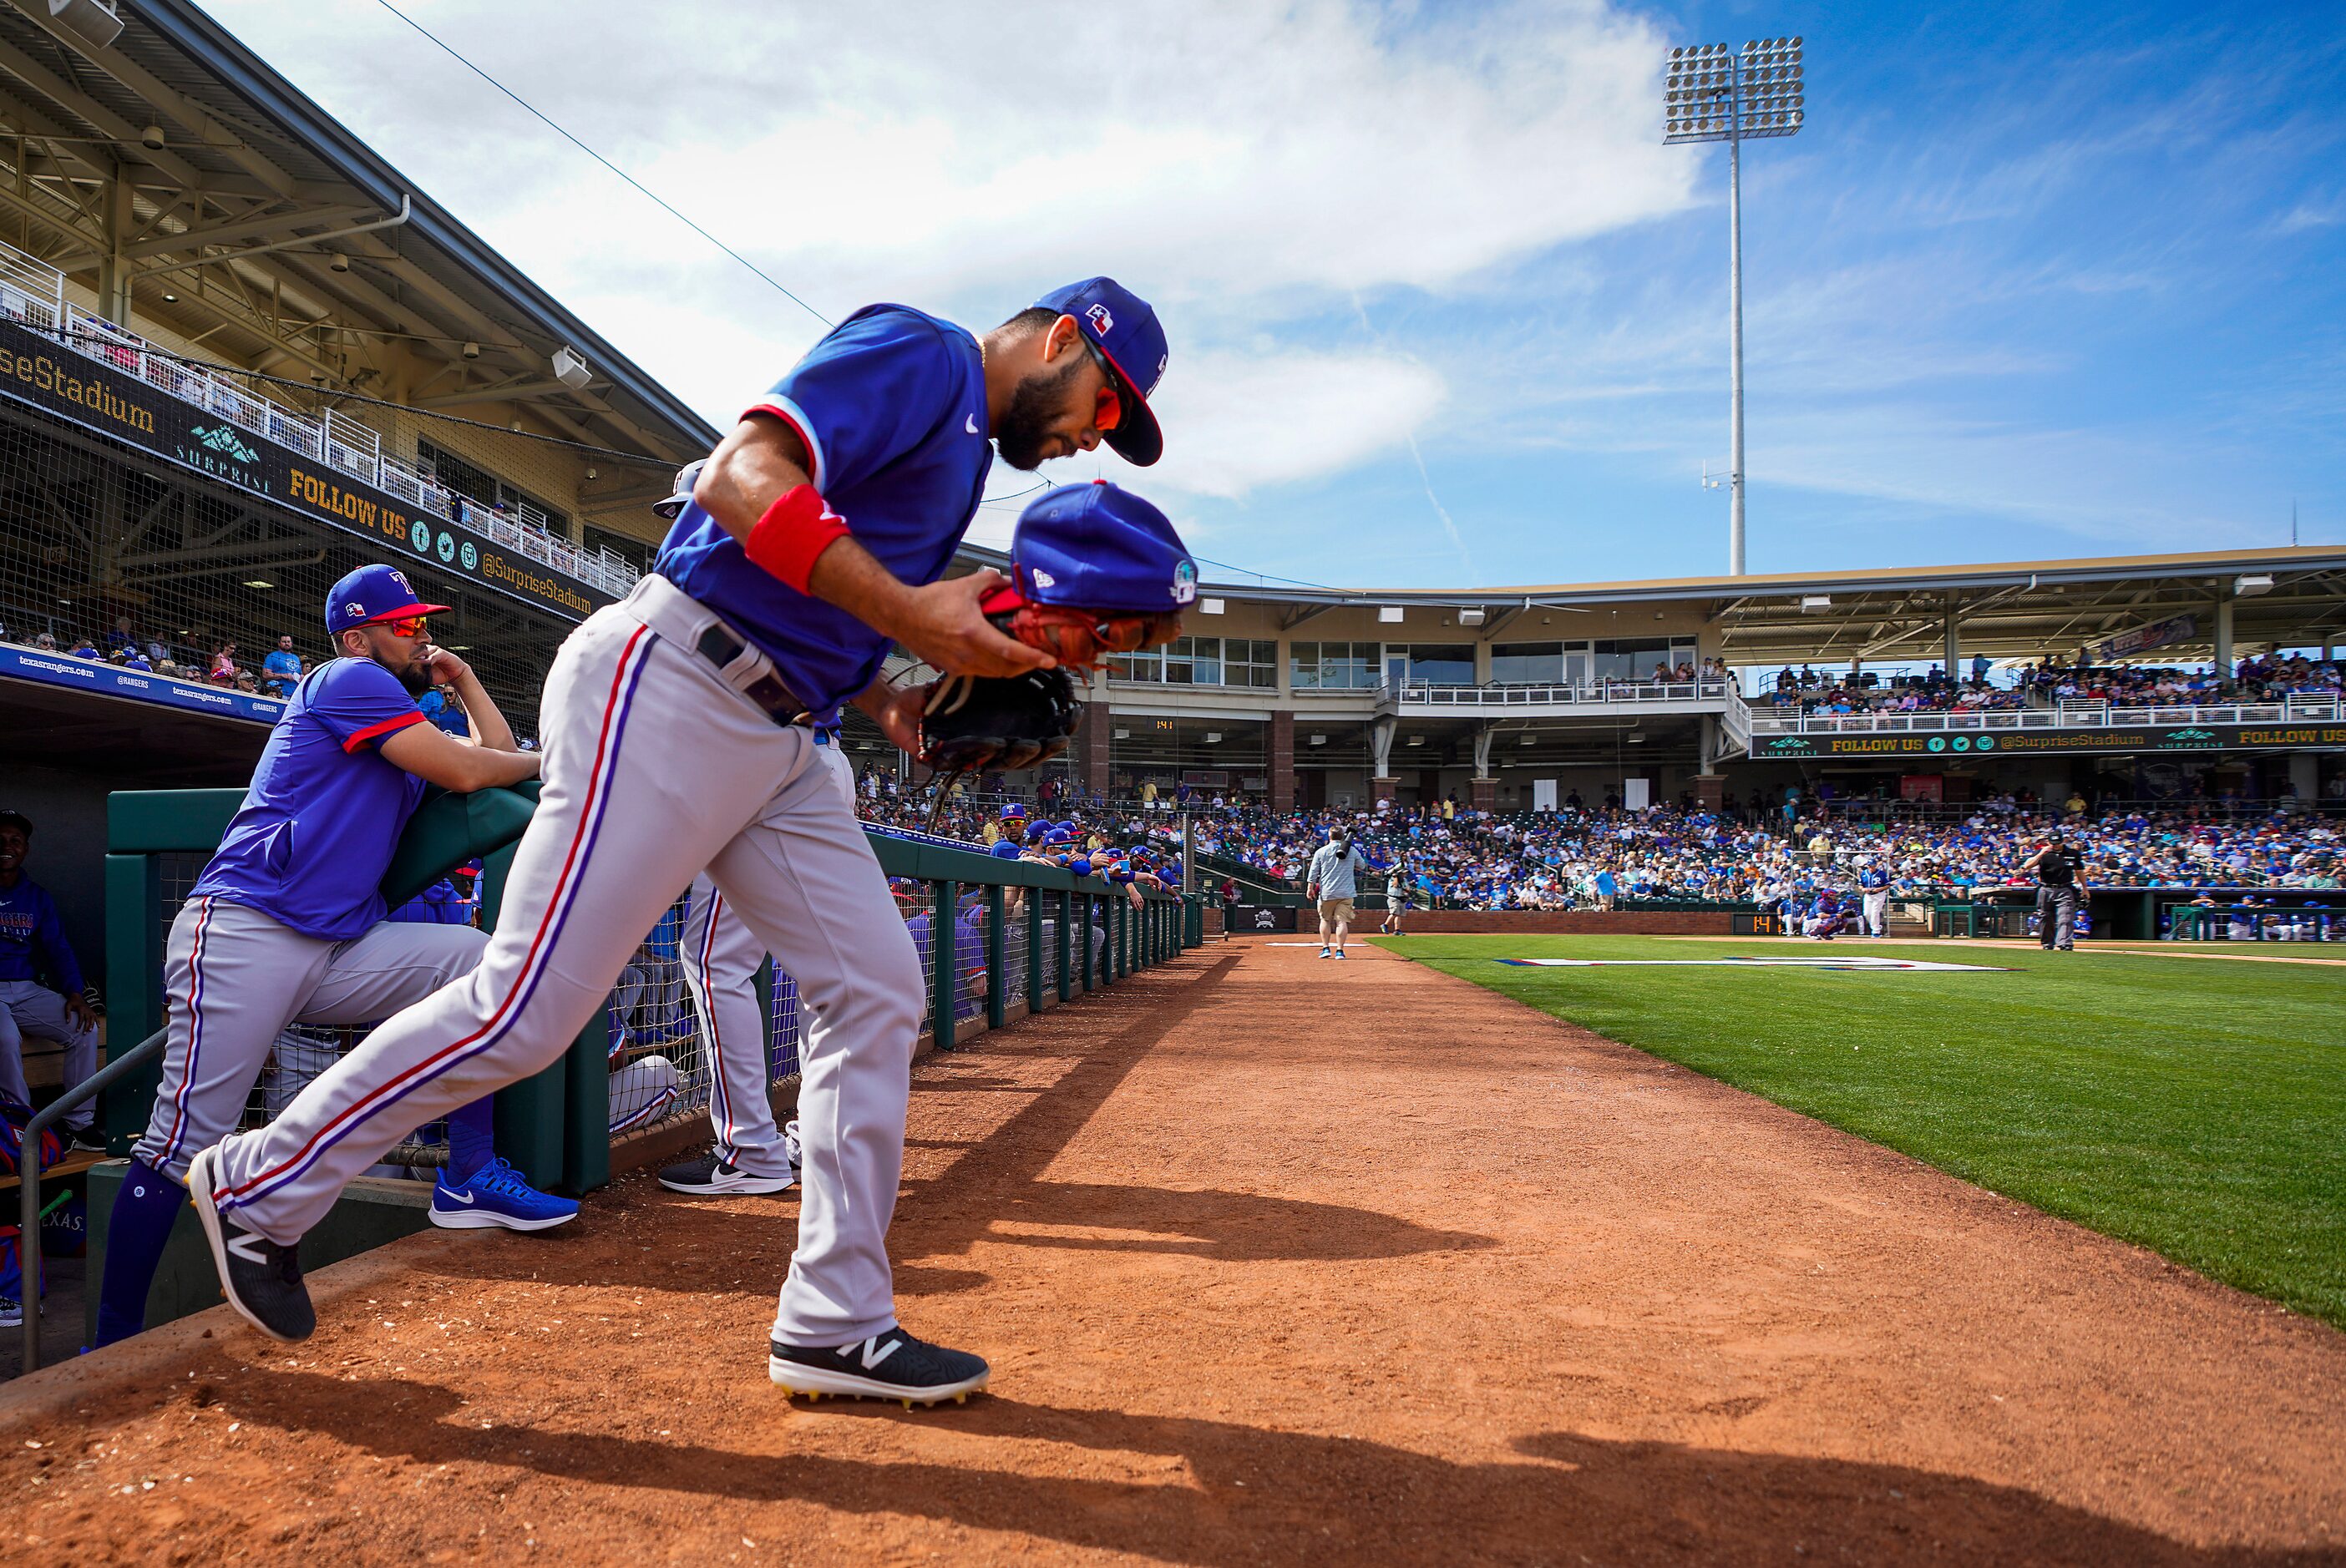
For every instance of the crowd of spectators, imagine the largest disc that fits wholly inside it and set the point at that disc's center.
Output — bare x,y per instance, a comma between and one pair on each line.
217,662
2265,677
1590,856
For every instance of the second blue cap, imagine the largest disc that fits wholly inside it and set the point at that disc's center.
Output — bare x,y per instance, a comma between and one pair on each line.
1098,546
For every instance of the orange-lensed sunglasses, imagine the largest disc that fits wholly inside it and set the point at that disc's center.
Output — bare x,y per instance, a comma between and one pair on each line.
1108,412
405,626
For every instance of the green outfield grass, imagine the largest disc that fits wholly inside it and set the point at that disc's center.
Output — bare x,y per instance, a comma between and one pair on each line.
2196,1106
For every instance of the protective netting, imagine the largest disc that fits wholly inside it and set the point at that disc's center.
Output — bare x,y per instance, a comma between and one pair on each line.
659,1063
107,554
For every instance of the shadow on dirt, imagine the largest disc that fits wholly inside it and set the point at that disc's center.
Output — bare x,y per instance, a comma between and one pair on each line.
1209,1491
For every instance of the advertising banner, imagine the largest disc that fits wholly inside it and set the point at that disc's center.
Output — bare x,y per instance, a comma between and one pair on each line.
2142,639
2166,738
36,369
92,675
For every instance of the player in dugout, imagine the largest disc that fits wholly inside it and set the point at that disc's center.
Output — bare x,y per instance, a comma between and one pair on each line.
33,950
286,925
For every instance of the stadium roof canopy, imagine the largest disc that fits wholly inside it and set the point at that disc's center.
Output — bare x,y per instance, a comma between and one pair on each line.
1891,614
174,161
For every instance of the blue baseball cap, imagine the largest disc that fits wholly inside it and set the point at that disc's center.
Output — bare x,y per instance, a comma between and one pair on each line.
686,477
1004,849
373,594
1012,811
1122,326
1097,546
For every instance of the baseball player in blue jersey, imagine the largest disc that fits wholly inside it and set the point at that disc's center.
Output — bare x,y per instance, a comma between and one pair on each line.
1874,885
1826,916
31,941
285,924
679,734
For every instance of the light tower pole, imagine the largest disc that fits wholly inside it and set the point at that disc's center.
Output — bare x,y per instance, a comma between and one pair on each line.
1716,94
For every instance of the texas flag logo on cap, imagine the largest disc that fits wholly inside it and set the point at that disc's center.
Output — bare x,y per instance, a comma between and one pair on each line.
371,594
1123,328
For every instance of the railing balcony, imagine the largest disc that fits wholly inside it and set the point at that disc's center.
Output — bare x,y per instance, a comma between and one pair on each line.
1595,693
34,294
2319,708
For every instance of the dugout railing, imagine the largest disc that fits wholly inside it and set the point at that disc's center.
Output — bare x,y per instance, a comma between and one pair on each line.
1025,937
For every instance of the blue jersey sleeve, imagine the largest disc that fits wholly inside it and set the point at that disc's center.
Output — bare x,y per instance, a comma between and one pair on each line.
50,936
867,395
360,703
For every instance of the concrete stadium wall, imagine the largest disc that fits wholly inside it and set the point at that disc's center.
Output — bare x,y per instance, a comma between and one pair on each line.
1583,922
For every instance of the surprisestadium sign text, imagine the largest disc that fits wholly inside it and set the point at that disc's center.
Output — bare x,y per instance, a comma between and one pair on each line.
2036,742
36,369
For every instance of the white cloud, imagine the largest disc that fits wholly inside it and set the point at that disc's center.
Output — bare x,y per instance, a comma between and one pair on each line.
1243,165
1247,422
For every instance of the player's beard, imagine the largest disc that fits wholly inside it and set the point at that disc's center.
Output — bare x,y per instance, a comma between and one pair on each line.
1025,427
412,674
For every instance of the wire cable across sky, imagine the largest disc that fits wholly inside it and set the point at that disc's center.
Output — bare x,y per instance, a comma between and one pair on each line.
639,185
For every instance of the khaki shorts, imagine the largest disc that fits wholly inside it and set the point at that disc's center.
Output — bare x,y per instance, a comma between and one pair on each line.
1336,909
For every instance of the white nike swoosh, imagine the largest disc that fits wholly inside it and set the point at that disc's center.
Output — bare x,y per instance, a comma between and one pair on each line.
972,425
463,1196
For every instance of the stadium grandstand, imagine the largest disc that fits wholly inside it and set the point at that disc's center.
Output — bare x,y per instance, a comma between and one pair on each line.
2156,679
244,355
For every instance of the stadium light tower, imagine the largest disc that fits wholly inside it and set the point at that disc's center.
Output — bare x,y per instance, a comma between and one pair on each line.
1713,93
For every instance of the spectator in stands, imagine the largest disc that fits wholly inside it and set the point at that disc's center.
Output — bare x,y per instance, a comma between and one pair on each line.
83,648
122,637
282,666
223,666
45,642
129,658
41,990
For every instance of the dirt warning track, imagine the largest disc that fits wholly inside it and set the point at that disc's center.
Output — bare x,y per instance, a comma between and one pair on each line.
1277,1260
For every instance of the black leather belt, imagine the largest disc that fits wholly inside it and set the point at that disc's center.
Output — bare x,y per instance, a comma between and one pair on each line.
720,647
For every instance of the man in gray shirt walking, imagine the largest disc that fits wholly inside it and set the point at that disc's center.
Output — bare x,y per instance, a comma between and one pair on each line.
1331,883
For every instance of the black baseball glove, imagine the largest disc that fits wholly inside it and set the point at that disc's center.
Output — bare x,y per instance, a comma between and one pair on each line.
971,723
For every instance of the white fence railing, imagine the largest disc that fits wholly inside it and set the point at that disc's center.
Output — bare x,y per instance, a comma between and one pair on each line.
34,294
2069,716
1600,692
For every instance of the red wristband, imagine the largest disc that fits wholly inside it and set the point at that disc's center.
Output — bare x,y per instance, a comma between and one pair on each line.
797,528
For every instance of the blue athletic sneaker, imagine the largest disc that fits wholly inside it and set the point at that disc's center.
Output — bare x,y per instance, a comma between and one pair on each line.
496,1198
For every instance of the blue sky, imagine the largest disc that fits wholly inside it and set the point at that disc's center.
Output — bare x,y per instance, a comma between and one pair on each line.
2033,281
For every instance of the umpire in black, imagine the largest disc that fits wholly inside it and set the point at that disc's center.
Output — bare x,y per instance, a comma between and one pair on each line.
2057,894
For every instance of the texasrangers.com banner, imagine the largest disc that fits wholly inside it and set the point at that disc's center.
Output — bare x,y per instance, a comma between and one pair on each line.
109,680
35,369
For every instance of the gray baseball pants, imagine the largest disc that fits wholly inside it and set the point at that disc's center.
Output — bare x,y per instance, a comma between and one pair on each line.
1877,912
657,766
2057,916
234,978
28,1008
720,970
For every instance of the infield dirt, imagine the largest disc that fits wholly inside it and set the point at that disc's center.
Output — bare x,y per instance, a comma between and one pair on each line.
1276,1259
